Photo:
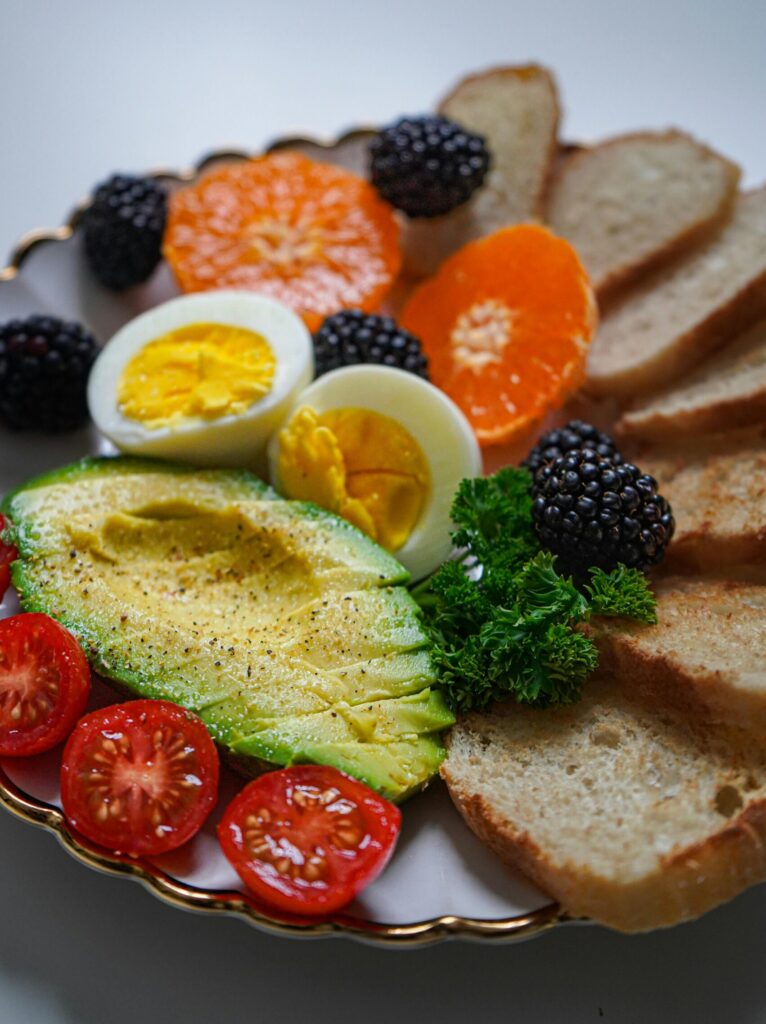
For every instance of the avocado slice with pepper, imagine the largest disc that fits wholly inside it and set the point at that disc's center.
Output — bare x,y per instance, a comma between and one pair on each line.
287,630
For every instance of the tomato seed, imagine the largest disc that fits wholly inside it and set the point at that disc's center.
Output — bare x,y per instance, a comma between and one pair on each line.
314,870
347,836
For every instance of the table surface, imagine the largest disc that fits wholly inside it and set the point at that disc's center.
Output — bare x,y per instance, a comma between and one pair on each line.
87,88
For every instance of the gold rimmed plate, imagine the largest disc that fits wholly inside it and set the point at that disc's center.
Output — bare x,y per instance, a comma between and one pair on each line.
442,883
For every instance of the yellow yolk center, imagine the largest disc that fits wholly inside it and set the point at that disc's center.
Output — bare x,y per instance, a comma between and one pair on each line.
359,464
196,371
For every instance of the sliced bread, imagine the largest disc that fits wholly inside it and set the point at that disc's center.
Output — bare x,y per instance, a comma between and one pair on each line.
635,200
706,656
680,313
718,497
516,110
634,819
727,391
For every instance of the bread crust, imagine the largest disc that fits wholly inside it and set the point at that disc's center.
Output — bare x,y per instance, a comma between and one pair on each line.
608,288
725,413
686,883
703,550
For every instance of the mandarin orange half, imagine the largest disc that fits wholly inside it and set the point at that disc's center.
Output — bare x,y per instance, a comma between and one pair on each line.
313,236
506,323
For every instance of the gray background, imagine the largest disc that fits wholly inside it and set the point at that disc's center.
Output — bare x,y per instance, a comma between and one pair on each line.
87,88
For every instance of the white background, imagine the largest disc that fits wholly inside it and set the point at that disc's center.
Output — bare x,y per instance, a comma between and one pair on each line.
88,88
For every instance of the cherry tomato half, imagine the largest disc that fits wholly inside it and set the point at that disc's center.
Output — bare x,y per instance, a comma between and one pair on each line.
8,554
44,684
139,778
307,839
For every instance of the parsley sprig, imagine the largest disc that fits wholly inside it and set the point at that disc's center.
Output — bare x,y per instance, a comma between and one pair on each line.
501,619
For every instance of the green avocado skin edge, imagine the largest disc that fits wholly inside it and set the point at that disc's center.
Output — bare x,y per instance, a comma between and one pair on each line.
285,628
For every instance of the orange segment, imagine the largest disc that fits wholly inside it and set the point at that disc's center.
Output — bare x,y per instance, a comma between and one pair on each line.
506,323
311,235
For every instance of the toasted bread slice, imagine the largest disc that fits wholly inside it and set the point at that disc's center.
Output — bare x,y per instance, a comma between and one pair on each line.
718,497
727,391
516,109
635,200
705,657
676,316
634,819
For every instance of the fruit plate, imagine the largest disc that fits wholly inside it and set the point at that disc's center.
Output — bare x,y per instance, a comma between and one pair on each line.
441,882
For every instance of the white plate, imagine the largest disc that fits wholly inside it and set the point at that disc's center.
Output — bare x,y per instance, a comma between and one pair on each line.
441,882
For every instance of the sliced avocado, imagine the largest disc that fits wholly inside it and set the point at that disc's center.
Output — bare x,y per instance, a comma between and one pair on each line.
389,744
284,627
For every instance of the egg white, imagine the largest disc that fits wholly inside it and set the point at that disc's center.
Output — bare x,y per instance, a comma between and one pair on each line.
444,434
233,440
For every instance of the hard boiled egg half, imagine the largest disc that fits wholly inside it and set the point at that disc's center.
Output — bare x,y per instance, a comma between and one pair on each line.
203,378
384,449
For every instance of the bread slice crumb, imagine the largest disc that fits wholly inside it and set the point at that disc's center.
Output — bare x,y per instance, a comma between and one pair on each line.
679,314
633,201
718,494
634,818
704,657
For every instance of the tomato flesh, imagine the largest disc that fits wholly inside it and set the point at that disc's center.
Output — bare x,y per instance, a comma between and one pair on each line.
8,554
307,839
139,778
44,684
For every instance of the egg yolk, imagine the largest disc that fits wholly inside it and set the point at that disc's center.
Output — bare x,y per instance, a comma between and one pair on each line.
196,371
359,464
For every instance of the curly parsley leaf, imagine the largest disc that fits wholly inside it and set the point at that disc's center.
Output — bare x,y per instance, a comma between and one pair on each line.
623,592
494,517
502,621
544,595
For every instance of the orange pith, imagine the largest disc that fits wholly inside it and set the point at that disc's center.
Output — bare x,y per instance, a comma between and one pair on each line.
313,236
506,323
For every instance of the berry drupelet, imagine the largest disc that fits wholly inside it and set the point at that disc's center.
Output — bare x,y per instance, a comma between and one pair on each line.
427,166
351,337
44,368
575,434
123,230
593,512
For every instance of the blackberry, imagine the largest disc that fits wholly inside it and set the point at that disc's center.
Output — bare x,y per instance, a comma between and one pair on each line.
123,230
574,434
44,367
426,166
351,337
592,511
